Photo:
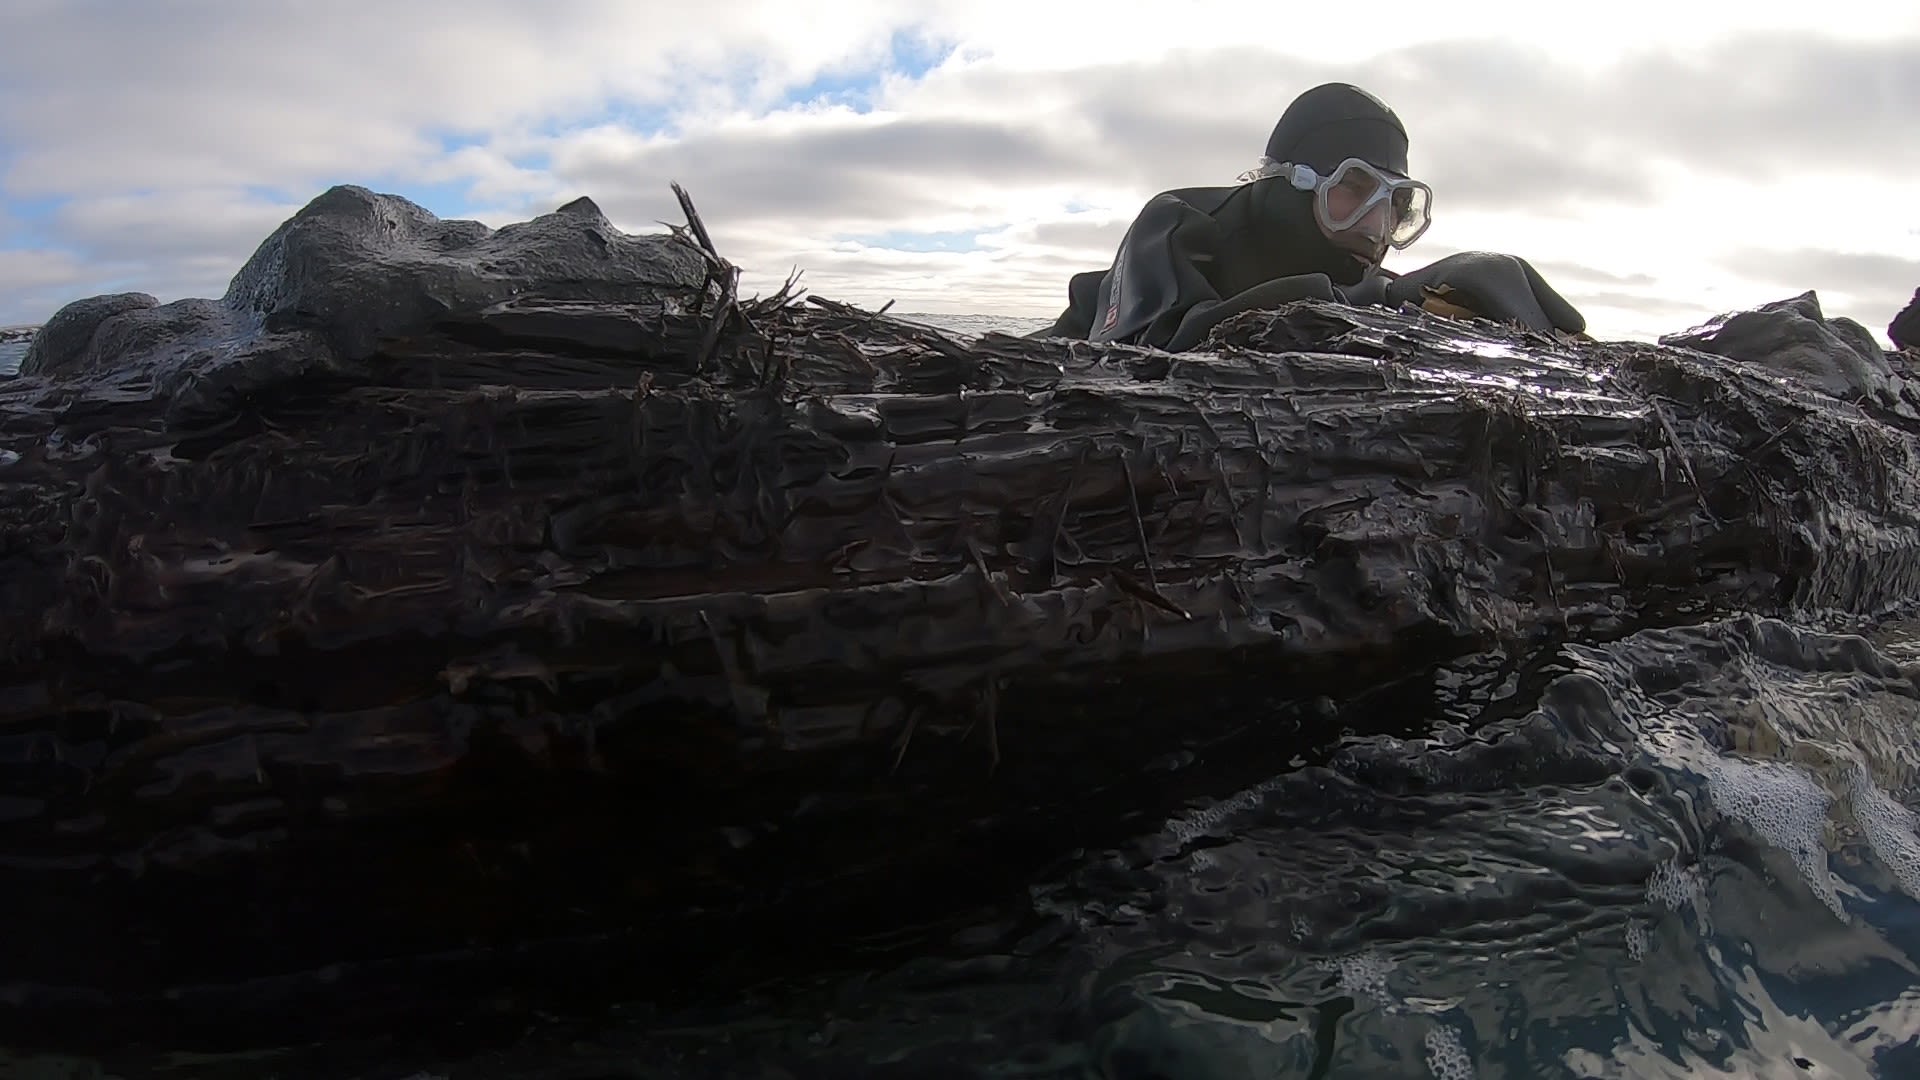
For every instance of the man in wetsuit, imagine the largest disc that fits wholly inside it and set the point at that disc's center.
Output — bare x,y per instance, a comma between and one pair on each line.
1314,219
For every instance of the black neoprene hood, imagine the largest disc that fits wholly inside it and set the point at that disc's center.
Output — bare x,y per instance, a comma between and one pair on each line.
1335,121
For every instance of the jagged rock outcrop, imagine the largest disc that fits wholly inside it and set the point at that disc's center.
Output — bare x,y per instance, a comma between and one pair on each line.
1904,330
444,600
351,270
1795,338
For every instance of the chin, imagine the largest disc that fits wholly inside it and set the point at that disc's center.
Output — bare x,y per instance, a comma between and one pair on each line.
1352,270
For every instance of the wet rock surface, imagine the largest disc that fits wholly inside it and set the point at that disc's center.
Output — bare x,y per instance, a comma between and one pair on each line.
446,616
1795,338
1904,330
65,343
1573,862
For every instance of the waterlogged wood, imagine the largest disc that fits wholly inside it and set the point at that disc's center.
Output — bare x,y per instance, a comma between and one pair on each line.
346,659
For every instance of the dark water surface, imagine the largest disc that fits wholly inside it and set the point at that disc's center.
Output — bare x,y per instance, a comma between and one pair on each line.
1688,852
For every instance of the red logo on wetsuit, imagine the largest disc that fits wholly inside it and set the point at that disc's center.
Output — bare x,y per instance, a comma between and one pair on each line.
1113,297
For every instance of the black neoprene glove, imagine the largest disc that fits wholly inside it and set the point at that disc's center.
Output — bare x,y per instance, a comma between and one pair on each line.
1501,287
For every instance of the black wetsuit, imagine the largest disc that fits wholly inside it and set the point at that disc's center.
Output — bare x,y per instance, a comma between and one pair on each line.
1195,256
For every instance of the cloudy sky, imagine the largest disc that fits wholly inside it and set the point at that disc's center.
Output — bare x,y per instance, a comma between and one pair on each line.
1659,165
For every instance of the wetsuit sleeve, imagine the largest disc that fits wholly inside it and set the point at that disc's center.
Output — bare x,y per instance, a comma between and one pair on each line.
1156,276
1083,298
1204,316
1157,293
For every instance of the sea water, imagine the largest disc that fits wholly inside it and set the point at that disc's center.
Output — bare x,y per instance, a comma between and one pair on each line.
13,347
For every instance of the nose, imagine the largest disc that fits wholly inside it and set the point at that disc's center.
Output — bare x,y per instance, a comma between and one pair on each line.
1374,222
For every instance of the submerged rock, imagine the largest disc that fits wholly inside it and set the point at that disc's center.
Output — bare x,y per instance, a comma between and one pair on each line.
446,607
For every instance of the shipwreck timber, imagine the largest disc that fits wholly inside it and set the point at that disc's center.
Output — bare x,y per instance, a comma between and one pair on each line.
442,595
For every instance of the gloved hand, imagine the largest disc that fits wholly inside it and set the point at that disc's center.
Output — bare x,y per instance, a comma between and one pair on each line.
1500,287
1204,316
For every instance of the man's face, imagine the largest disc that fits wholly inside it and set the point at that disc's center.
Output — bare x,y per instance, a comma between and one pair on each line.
1364,211
1366,238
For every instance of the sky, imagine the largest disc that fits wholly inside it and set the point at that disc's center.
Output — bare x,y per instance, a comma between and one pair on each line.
1659,163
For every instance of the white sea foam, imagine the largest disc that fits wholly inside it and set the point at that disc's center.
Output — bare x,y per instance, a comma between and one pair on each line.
1447,1056
1786,806
1889,828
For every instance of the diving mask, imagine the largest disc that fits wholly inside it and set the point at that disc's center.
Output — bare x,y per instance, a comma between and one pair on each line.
1348,196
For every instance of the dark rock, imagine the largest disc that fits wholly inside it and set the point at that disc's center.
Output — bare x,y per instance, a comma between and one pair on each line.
352,272
361,268
196,355
1904,330
1794,337
532,623
65,343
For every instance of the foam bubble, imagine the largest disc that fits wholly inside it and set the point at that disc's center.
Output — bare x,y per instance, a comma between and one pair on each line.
1889,829
1676,886
1638,943
1786,807
1363,974
1447,1055
1194,824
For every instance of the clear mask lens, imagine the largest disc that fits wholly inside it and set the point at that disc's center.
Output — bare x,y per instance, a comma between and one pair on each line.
1386,210
1411,204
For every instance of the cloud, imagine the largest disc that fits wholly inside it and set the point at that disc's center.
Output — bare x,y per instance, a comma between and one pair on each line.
191,223
1853,271
35,282
1563,271
30,269
1644,180
1866,281
1102,233
847,171
1754,103
1677,314
283,92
